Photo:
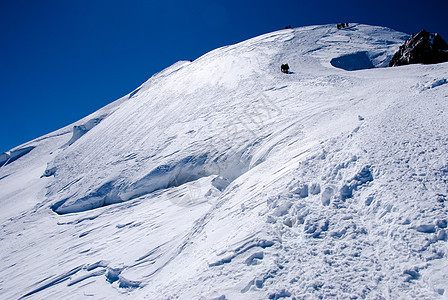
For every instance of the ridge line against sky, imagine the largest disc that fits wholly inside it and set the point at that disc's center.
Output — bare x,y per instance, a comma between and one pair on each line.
62,60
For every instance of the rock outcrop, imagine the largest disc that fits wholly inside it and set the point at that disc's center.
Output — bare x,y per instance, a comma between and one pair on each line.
422,48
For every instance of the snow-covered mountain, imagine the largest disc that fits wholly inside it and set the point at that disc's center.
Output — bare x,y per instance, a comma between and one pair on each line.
224,178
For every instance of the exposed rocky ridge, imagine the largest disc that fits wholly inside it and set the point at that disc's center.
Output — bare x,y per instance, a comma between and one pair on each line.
422,48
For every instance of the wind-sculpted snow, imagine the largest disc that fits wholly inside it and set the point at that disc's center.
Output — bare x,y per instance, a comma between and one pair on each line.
162,177
152,125
80,130
13,155
4,157
352,62
224,178
230,135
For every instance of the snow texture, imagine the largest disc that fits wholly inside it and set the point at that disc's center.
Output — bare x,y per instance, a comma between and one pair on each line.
224,178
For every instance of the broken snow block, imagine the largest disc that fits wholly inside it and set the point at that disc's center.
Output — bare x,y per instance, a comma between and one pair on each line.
315,189
302,191
426,228
220,183
346,192
441,223
326,195
49,172
364,176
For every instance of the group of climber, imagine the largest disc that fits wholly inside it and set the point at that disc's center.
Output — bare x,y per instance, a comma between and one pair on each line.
285,68
342,25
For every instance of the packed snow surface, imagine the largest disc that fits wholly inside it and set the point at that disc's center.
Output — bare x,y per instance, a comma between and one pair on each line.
224,178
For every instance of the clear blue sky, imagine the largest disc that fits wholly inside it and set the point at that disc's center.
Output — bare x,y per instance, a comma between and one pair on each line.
61,60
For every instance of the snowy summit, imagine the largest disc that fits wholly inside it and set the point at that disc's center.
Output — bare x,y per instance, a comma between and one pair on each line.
226,178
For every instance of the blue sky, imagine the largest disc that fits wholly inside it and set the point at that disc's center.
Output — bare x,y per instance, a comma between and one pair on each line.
62,60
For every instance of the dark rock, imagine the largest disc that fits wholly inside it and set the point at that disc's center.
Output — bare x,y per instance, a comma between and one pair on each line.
422,48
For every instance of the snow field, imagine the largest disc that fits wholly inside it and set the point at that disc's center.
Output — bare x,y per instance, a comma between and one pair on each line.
227,179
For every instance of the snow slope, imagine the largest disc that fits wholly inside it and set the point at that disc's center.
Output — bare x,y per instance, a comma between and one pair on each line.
225,178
